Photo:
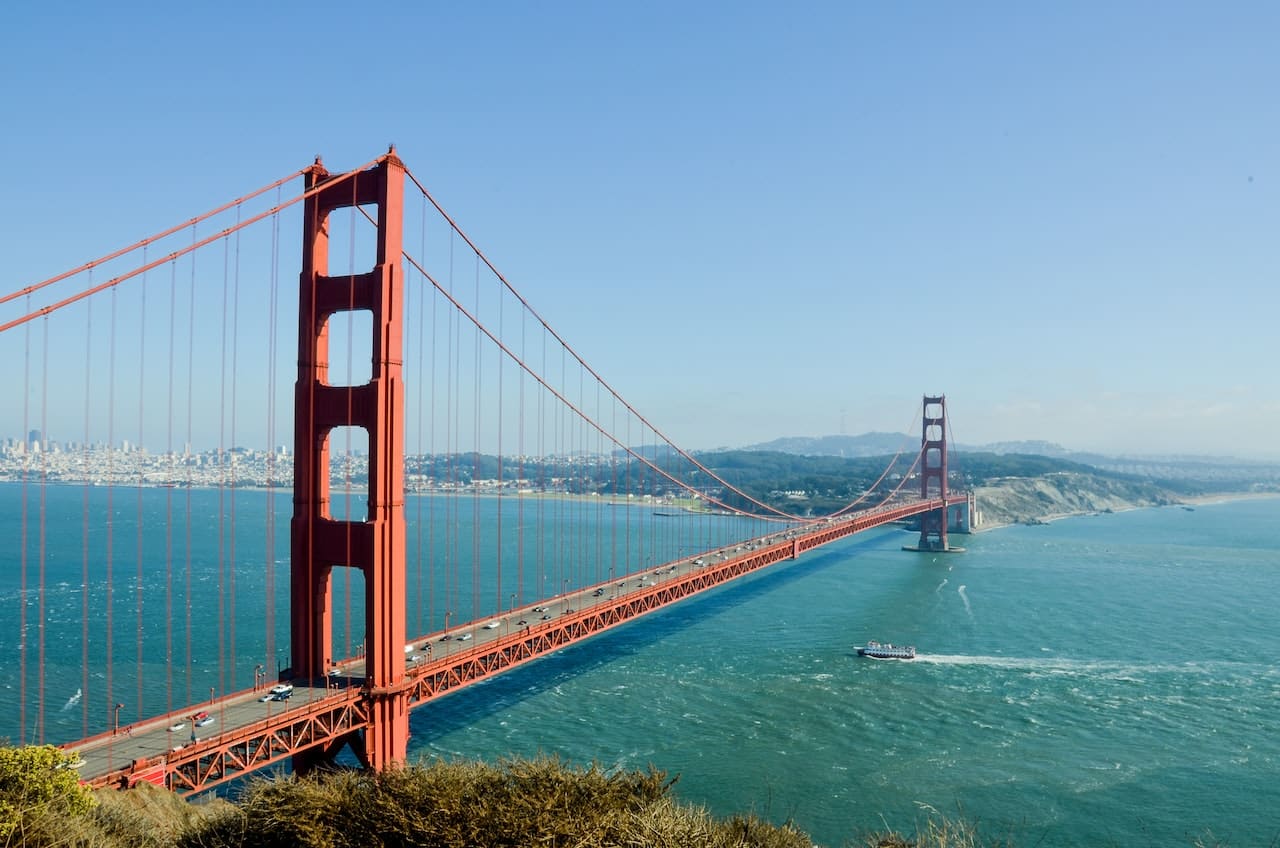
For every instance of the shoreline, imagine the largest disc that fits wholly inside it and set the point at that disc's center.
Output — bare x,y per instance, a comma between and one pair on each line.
1193,501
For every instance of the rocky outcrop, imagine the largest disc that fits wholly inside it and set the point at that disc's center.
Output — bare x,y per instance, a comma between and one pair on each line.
1031,500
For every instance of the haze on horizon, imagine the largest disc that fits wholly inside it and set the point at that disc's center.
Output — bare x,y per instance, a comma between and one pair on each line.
754,221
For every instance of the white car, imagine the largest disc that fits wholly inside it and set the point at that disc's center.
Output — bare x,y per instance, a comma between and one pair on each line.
464,637
493,625
281,688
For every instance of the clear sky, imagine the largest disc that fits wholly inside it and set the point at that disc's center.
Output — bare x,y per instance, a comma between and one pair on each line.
753,219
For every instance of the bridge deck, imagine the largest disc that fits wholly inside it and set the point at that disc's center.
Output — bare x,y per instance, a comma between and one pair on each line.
249,730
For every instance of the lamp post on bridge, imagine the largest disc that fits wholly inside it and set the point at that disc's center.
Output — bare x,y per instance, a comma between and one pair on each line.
511,612
115,722
258,674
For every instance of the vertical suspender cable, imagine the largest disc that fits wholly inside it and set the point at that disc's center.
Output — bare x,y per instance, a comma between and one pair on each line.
520,471
84,523
451,561
230,684
613,493
561,452
22,534
475,472
419,494
141,578
191,349
543,487
269,559
44,513
598,471
168,497
222,475
110,514
455,425
501,335
627,498
433,469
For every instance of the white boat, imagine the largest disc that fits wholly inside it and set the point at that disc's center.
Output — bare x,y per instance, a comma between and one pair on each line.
887,651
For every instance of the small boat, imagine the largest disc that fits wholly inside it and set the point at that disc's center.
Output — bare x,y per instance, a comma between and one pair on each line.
887,651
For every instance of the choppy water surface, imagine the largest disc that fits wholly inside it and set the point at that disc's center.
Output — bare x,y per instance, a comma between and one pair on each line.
1109,679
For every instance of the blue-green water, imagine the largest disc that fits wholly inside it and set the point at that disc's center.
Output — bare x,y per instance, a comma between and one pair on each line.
1102,680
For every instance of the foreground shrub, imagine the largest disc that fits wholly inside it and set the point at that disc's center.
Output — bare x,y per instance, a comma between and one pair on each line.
40,794
515,803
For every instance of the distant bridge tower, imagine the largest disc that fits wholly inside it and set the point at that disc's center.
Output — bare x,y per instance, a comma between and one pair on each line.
376,546
933,474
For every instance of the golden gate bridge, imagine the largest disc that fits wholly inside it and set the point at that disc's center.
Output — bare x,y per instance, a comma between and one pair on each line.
467,493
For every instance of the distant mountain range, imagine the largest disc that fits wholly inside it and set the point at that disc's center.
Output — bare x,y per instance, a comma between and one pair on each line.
1163,467
868,444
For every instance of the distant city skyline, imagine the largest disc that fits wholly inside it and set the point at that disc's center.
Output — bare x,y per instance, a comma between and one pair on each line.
755,221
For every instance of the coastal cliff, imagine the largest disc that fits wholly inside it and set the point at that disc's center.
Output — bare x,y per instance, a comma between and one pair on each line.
1032,500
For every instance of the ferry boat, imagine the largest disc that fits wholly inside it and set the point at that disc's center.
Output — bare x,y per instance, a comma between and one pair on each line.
875,650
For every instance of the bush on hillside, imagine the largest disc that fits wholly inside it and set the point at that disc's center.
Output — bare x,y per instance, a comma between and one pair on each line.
39,793
516,803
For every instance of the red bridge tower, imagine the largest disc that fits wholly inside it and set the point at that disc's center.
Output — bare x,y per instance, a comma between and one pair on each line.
933,475
319,543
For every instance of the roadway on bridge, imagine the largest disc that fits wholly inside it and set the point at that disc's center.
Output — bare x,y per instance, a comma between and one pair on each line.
110,752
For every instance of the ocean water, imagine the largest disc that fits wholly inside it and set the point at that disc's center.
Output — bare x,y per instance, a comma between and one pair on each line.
1112,679
1102,680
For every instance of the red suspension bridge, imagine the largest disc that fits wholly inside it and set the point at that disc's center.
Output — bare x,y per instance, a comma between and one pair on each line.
468,494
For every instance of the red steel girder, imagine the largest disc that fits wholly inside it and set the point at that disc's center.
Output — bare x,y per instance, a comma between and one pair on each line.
326,724
443,676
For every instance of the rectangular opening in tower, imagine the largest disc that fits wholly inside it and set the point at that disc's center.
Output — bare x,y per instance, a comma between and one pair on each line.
350,335
353,239
347,590
348,474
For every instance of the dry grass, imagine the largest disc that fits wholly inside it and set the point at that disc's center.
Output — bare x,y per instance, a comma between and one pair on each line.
515,803
540,803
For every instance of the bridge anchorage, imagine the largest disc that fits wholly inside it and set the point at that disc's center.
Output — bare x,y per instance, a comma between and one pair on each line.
933,484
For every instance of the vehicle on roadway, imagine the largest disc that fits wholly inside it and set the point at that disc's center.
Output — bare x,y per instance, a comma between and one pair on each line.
493,625
174,728
464,637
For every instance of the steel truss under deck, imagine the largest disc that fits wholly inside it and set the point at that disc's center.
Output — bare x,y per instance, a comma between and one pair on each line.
325,725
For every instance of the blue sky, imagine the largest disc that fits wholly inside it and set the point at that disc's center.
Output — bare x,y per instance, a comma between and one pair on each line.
753,219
